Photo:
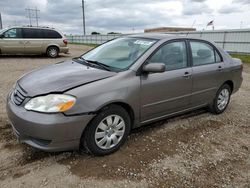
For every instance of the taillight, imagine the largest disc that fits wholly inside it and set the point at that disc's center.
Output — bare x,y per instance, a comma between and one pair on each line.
65,41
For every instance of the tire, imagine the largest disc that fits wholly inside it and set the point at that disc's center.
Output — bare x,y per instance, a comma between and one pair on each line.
221,99
52,51
107,131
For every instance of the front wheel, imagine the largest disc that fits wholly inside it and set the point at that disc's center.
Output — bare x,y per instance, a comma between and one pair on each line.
221,100
108,131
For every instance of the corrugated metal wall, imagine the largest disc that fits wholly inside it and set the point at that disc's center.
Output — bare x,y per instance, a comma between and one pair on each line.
90,39
230,40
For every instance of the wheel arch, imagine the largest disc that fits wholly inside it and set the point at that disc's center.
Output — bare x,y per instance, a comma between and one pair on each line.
230,83
53,45
122,104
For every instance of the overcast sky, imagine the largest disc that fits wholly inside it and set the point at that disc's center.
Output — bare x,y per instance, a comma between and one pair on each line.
128,16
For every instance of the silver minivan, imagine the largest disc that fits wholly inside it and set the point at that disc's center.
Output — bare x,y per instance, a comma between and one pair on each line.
32,40
93,101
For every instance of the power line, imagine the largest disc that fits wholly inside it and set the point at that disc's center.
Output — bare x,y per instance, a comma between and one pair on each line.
83,18
32,13
1,23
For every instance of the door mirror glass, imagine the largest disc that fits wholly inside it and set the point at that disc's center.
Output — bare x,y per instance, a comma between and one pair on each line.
154,68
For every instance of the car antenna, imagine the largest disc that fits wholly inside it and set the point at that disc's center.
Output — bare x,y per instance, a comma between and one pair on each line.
191,27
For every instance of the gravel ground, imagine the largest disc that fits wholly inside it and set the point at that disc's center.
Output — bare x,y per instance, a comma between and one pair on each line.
193,150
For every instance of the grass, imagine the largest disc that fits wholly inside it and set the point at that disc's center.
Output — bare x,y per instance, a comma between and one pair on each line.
244,58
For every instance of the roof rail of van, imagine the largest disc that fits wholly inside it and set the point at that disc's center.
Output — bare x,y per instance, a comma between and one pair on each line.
39,26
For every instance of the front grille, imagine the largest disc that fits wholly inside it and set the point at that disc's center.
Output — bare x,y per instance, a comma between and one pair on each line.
19,95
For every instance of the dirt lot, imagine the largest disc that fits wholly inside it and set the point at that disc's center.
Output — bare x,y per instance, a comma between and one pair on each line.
194,150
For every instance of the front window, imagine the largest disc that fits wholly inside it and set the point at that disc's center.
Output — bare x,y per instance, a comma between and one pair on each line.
173,55
119,53
13,33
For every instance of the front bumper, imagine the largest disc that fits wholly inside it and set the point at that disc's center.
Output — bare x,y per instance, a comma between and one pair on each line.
49,132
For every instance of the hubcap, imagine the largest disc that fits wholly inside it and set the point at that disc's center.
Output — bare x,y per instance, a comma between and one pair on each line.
109,132
53,52
223,99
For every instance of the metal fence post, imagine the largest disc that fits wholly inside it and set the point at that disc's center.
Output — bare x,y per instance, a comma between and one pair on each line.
224,40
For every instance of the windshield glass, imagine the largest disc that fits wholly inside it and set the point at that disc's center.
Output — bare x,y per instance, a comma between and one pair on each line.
119,53
2,30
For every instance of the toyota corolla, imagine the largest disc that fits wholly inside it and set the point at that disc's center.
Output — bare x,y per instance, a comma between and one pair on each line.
93,101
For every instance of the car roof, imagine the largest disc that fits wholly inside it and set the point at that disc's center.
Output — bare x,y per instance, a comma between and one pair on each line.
160,36
27,27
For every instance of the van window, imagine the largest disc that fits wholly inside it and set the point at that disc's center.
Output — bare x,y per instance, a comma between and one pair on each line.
13,33
51,34
32,33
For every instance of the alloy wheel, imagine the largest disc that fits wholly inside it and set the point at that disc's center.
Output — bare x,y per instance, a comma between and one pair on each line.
223,99
109,132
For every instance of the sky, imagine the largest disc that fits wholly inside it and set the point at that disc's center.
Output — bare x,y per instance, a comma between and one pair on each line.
128,16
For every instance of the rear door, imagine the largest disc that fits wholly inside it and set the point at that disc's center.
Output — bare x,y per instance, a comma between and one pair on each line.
12,42
33,40
208,72
170,91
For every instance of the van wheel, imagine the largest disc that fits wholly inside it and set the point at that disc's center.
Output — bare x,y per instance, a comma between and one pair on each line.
107,131
221,100
52,51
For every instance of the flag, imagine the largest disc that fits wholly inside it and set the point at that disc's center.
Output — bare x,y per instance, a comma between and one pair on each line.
210,23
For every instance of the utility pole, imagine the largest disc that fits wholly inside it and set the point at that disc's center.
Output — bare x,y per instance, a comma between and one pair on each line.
83,18
36,17
32,13
1,23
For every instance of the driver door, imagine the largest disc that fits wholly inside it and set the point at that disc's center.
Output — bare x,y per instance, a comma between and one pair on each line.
12,42
170,91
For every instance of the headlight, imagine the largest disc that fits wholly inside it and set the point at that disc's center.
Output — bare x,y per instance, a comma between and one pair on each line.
51,103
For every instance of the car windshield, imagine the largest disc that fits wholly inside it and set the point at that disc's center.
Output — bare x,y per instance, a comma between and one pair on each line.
2,30
119,53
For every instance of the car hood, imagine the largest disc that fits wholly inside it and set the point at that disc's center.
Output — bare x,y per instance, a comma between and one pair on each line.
60,77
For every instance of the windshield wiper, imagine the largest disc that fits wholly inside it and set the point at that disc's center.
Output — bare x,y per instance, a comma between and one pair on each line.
81,59
89,62
102,65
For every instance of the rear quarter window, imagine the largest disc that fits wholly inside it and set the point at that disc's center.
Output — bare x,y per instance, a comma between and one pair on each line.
51,34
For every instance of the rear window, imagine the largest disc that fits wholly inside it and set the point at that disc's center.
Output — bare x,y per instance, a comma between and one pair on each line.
51,34
40,33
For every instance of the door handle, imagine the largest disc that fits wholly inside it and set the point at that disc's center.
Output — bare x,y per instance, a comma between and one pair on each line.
187,75
220,68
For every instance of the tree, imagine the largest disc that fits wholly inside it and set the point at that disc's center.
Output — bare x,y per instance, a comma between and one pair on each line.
113,33
95,33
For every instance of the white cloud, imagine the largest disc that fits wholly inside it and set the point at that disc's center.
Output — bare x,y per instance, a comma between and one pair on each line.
127,15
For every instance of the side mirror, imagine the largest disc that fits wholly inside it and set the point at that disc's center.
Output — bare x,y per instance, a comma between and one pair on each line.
154,68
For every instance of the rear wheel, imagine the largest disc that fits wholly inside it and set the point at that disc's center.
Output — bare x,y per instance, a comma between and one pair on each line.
221,100
52,51
108,131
